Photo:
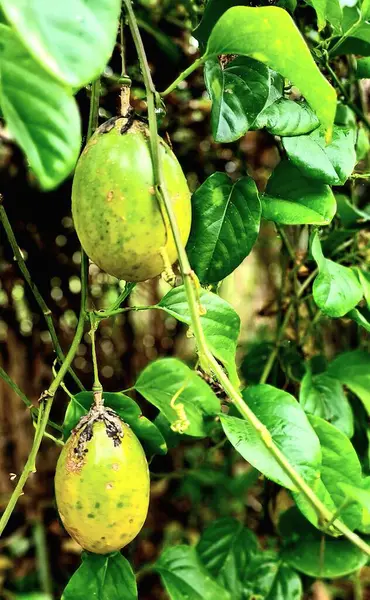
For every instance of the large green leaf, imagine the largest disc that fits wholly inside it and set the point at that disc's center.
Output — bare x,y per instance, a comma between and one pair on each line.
185,577
102,577
336,289
170,380
270,579
363,68
361,316
305,550
226,549
225,226
353,370
221,324
293,199
239,92
148,434
73,40
330,163
337,451
40,114
212,12
269,35
322,395
290,430
286,117
349,214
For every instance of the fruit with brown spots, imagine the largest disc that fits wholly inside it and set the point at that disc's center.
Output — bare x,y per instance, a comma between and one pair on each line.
116,213
102,487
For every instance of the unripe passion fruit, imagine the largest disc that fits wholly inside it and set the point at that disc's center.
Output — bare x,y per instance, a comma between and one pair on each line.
115,210
102,484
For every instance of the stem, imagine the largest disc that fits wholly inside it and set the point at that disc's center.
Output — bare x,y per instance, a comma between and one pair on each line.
111,313
347,98
346,35
204,353
97,386
34,410
94,108
197,63
47,400
121,298
271,359
39,299
42,558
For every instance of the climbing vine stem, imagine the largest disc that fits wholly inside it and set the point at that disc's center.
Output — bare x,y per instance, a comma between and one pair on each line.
207,360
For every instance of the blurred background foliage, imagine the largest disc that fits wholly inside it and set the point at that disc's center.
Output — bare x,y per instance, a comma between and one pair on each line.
197,481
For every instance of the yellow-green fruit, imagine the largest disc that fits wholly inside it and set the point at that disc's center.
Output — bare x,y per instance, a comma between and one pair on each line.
115,210
102,488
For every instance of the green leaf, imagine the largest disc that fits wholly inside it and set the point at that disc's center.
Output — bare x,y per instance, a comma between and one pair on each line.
353,370
364,278
226,549
225,226
289,428
340,557
185,577
269,35
102,577
271,579
238,91
286,117
162,380
361,316
349,214
221,324
356,28
363,497
293,199
337,451
336,289
332,163
148,434
73,40
363,68
212,12
328,11
322,395
41,115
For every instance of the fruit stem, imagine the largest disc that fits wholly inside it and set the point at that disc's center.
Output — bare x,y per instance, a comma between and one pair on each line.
205,356
97,387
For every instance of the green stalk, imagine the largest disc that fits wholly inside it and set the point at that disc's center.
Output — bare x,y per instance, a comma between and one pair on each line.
204,353
34,289
197,63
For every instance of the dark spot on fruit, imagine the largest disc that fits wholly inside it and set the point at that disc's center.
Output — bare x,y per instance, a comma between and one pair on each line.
123,535
91,516
131,520
111,524
97,504
103,537
120,505
78,504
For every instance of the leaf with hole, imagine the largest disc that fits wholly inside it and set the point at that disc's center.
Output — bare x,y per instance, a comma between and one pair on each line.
269,35
73,40
238,91
336,289
225,226
290,431
293,199
126,408
180,394
221,324
41,114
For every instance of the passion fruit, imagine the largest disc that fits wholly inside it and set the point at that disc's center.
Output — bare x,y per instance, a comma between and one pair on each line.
102,483
116,212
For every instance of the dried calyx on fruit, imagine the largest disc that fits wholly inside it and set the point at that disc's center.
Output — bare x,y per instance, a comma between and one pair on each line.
117,213
102,482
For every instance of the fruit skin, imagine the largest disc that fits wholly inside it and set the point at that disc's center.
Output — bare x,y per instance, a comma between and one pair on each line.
115,210
103,498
